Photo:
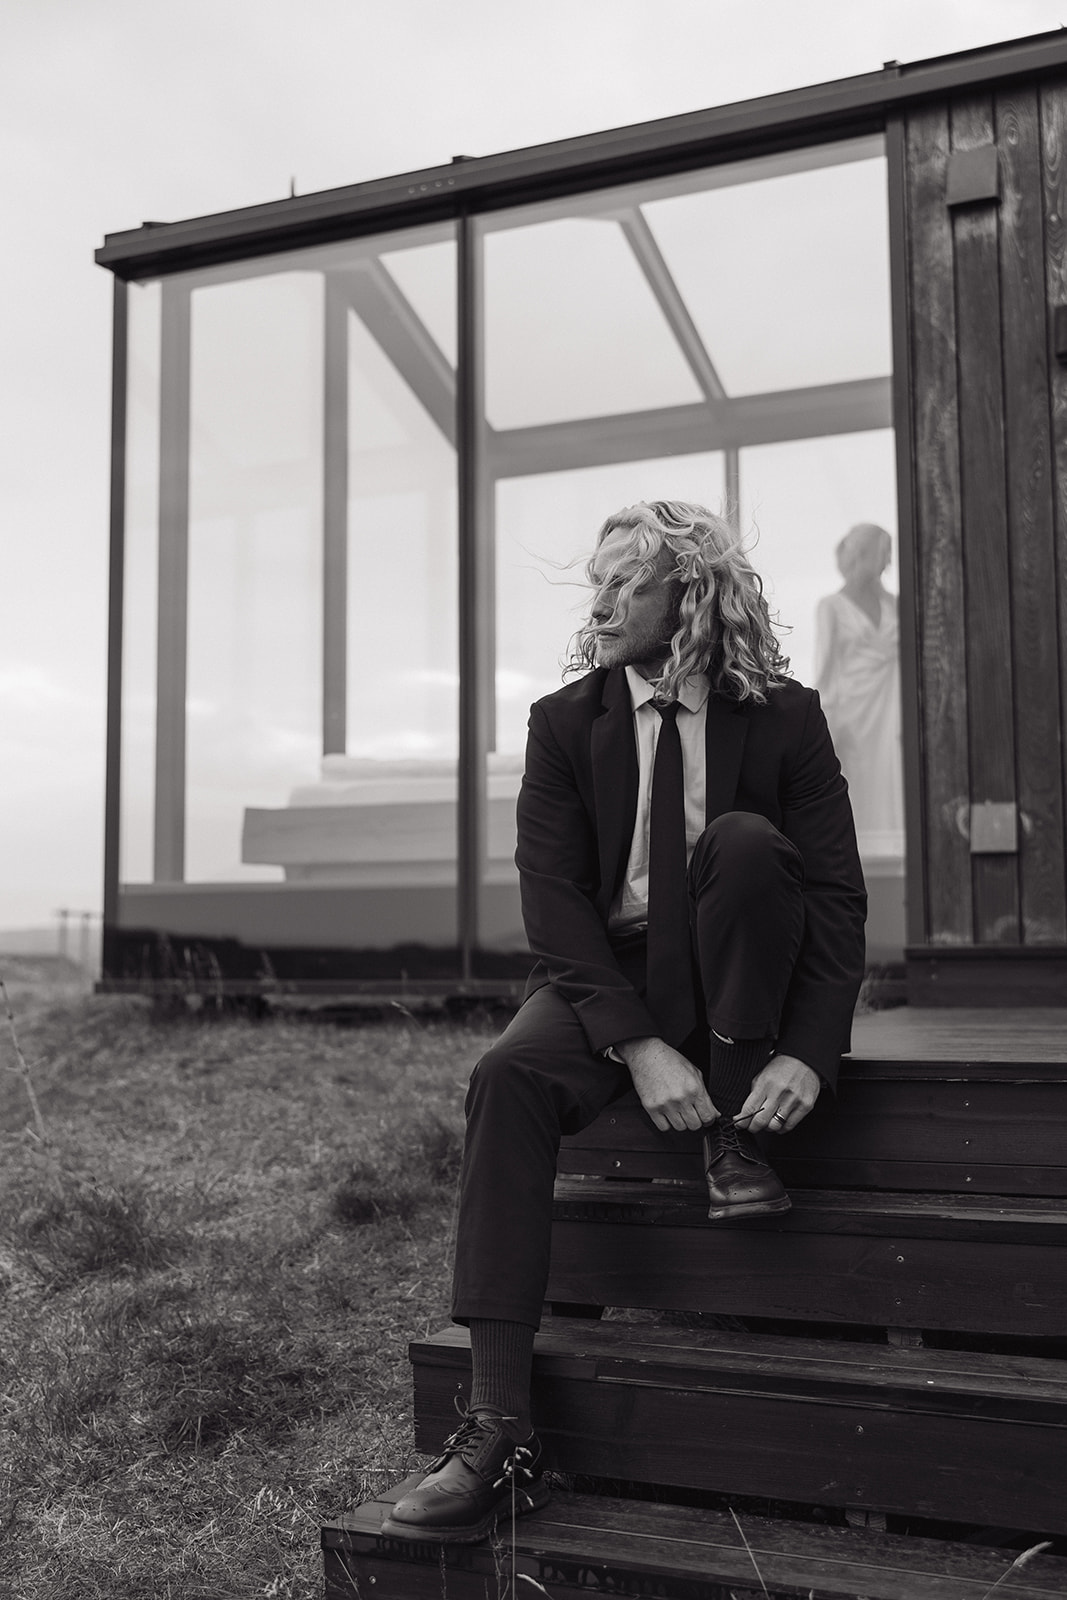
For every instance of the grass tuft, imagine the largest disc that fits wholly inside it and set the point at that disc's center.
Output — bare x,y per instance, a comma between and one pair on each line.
364,1196
425,1159
90,1227
436,1144
214,1379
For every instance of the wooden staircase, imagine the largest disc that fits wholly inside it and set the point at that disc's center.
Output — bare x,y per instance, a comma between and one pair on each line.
871,1389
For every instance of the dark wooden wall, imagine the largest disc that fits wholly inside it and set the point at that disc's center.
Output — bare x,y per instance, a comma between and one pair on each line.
986,266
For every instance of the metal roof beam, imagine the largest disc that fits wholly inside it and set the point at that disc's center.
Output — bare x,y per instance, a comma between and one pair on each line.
408,344
642,242
737,423
821,112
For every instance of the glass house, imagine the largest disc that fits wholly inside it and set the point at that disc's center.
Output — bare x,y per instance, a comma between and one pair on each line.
362,444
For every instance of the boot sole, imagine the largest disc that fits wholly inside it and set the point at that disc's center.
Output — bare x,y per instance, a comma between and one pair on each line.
750,1208
526,1500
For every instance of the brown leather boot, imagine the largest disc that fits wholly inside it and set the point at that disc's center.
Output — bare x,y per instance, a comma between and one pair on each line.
480,1475
740,1183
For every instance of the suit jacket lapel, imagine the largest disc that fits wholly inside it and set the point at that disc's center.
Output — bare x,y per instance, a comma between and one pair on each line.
614,759
724,744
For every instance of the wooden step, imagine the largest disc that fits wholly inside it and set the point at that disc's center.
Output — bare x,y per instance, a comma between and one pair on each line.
596,1545
938,1434
986,1127
976,1263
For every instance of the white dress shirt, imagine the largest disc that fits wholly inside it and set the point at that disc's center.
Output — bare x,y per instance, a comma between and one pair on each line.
629,910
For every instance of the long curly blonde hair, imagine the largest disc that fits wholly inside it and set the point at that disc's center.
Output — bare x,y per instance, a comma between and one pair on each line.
723,623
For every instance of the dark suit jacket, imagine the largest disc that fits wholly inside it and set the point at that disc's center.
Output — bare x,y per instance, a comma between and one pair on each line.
576,816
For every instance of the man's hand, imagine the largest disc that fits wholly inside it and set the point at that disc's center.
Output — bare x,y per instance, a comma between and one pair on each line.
668,1085
782,1095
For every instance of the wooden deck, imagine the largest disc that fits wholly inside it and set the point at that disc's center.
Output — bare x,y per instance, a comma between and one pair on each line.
936,1034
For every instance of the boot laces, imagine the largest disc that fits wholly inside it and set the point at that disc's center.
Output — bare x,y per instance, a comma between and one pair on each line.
729,1133
470,1432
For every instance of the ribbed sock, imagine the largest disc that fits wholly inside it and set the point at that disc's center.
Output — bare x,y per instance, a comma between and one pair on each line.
732,1069
502,1359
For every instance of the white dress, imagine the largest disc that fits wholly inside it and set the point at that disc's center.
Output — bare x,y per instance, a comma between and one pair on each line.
857,674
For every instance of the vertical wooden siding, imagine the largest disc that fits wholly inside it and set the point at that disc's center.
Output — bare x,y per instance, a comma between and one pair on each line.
1034,621
1053,146
990,453
939,554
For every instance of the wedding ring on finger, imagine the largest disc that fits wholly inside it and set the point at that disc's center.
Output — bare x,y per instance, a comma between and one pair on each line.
776,1116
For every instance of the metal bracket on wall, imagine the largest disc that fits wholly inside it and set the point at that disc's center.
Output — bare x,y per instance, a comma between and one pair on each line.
994,828
972,176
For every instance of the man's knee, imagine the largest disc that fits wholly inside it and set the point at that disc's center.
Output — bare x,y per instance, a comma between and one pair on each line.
502,1076
741,845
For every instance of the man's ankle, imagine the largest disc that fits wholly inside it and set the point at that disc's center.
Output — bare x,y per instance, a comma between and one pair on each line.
501,1357
518,1428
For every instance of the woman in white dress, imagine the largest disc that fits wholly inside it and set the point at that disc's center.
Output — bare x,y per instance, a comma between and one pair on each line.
857,674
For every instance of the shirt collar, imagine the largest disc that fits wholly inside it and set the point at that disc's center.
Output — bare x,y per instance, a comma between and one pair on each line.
692,693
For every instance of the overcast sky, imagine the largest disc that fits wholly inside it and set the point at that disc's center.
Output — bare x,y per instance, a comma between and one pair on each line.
117,111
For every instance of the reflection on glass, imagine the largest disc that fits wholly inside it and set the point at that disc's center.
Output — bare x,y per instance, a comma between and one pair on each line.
287,417
140,585
857,674
572,327
426,276
402,576
255,559
790,494
787,277
378,816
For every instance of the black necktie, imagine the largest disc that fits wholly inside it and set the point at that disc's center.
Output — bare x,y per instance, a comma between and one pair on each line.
669,989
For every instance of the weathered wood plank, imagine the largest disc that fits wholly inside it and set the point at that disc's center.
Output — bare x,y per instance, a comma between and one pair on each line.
988,1129
983,502
914,1437
588,1545
1034,624
798,1365
1053,112
939,565
992,1219
803,1172
1022,1122
854,1171
925,1035
892,1278
988,975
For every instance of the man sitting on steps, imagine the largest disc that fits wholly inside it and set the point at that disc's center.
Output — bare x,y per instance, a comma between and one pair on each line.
692,891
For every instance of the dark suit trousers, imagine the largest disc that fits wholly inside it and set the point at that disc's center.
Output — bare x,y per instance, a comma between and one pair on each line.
541,1079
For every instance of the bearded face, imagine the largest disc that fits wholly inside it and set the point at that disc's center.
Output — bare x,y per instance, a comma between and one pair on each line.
637,631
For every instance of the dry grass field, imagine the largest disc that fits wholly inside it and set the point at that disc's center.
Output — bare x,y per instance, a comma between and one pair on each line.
210,1267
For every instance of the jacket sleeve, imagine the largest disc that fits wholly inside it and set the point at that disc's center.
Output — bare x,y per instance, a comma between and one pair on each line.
559,879
817,817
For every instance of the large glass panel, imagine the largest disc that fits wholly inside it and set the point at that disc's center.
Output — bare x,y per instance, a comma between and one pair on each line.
255,560
137,786
289,777
402,576
815,508
720,336
786,275
557,296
